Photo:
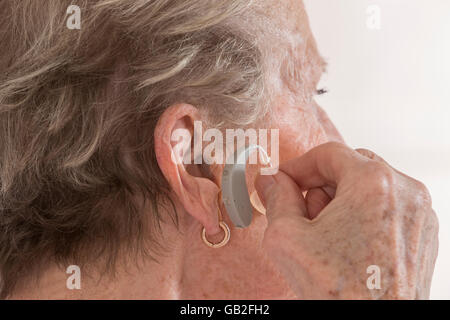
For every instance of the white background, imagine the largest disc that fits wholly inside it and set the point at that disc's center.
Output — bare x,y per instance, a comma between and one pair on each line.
389,91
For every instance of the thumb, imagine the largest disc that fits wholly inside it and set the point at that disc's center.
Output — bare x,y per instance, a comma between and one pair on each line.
281,196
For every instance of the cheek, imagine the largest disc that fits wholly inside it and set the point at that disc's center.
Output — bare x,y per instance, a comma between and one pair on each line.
332,132
300,131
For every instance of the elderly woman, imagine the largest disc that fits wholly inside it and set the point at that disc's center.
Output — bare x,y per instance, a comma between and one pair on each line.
87,175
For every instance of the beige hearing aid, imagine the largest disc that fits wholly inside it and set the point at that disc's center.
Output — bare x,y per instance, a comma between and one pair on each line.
234,187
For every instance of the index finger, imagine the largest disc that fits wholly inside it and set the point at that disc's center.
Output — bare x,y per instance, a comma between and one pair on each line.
325,164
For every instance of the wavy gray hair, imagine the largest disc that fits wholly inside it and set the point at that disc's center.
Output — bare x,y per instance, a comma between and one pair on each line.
74,104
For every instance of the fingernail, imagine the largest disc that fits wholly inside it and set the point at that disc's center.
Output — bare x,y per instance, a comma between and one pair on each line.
263,184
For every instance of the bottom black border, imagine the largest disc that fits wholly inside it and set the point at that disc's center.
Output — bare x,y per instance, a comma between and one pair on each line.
221,309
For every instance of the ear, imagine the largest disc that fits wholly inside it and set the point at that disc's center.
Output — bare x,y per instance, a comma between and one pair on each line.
174,137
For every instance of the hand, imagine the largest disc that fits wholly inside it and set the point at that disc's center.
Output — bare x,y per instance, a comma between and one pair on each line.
358,212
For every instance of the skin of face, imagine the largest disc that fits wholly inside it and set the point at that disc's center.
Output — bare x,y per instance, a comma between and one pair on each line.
240,270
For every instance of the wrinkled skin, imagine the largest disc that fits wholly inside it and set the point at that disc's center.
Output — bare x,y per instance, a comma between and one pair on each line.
370,214
377,217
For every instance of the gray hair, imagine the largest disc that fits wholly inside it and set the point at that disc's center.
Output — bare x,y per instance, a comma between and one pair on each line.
75,103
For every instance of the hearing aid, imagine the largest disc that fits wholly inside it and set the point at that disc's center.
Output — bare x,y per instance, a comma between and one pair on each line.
234,187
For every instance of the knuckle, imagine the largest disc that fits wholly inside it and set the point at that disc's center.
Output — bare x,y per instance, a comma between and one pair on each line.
369,154
366,152
419,198
380,178
423,196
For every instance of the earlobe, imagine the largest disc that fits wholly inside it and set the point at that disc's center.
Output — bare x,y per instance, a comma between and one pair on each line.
197,194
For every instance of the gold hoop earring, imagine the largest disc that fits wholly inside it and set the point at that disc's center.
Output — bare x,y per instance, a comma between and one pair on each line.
225,239
224,227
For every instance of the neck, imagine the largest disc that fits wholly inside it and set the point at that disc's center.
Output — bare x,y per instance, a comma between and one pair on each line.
188,270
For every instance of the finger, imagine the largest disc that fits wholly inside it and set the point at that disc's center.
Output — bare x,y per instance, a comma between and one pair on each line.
316,199
373,156
370,154
326,164
408,182
281,196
